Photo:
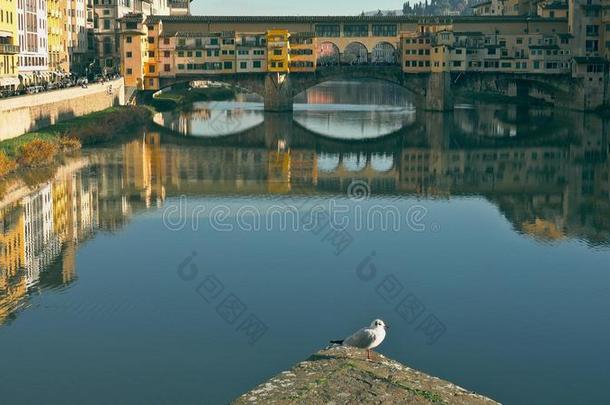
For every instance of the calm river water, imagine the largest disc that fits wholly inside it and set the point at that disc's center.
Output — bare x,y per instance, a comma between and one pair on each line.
188,265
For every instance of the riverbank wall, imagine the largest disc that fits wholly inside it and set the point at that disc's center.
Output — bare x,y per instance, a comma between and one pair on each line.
19,115
343,375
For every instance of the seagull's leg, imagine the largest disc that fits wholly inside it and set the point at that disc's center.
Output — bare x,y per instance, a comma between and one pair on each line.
368,354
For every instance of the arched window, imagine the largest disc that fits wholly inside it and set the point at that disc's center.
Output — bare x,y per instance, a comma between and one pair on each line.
356,54
328,54
383,53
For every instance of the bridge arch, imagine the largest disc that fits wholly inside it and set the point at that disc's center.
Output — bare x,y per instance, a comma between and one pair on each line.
354,162
328,54
355,53
381,162
327,162
384,53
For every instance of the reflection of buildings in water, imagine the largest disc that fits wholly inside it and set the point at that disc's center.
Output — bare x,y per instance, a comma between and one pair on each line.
144,169
42,245
539,188
12,280
40,232
549,192
365,93
501,121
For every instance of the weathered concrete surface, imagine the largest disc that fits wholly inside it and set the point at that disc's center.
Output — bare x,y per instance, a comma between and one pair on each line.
342,375
22,114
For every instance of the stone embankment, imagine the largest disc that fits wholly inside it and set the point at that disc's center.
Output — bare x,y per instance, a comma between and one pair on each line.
343,375
22,114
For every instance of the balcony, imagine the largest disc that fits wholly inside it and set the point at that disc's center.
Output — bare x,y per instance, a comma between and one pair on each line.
277,44
9,49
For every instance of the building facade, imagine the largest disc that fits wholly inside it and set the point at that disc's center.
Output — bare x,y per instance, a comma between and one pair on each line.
56,23
107,14
33,41
9,45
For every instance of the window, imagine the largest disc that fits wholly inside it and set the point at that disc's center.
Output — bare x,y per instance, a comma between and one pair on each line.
151,69
356,30
151,40
128,40
384,30
166,54
180,66
243,65
129,55
166,68
256,64
277,52
165,41
228,65
198,54
106,24
328,30
151,54
129,71
591,45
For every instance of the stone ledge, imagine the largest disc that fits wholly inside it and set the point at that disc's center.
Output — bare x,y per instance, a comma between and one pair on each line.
342,375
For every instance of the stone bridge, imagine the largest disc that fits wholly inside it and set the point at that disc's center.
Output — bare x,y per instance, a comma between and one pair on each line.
432,91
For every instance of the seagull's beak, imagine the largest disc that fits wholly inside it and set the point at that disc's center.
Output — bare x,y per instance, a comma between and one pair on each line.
387,326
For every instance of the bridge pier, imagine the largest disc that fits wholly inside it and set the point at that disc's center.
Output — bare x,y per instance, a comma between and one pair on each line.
278,93
439,95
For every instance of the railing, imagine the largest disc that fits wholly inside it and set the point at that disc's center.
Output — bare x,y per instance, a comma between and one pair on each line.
9,49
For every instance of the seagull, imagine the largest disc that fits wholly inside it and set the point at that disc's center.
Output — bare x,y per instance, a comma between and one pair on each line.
366,338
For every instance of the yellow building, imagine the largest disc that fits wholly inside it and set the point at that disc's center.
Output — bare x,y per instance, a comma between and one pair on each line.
58,51
150,57
278,51
133,50
227,52
303,52
9,45
416,48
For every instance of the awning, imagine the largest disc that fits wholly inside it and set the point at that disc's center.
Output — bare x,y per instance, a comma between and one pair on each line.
6,34
9,81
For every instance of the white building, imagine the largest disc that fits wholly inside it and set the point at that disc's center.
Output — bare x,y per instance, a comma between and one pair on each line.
33,41
76,30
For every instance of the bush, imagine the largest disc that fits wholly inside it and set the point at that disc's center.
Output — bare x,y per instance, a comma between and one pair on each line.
68,143
110,126
7,164
37,153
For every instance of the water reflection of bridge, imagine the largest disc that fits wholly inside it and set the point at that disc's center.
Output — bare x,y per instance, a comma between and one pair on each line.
550,185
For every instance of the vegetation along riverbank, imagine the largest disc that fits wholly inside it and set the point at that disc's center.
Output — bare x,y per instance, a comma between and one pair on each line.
43,147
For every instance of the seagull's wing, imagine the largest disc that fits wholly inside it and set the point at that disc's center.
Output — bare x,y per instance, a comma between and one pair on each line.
362,339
